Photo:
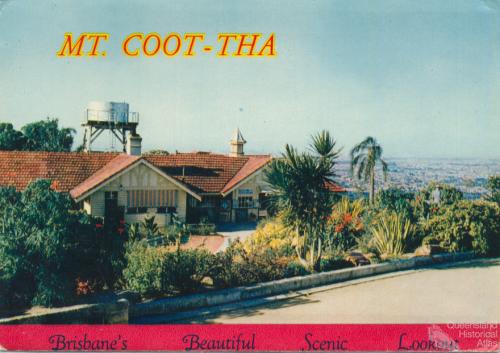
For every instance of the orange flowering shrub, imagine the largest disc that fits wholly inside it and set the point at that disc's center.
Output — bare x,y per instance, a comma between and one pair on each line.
83,287
345,224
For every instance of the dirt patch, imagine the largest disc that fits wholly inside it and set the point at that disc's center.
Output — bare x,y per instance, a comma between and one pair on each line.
211,243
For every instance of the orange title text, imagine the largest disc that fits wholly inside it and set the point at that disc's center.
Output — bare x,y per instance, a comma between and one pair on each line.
171,45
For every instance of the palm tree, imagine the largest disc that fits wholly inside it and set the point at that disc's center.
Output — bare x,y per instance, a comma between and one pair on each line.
300,194
364,157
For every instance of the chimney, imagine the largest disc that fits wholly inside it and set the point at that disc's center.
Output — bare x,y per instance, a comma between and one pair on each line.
134,144
237,142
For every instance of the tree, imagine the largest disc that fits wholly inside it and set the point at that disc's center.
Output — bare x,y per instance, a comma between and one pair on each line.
494,188
10,139
157,153
364,158
45,135
45,246
35,234
299,182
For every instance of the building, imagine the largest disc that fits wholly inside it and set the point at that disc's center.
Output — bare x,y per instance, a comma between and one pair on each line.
132,186
222,188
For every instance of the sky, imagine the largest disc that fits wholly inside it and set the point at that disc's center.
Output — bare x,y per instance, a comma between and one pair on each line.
422,77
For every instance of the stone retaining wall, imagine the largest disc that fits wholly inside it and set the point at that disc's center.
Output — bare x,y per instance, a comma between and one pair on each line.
102,313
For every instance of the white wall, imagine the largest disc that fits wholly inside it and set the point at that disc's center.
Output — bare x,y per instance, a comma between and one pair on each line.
141,177
256,183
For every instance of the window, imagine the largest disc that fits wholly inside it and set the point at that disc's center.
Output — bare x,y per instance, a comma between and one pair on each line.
111,195
245,201
210,201
140,200
245,192
137,210
192,202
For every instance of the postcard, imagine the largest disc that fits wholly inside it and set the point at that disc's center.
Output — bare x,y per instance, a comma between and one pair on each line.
249,176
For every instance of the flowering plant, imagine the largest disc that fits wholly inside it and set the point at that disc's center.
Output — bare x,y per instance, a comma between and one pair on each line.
345,224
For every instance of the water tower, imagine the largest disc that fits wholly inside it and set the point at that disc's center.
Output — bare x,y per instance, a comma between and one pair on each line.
112,116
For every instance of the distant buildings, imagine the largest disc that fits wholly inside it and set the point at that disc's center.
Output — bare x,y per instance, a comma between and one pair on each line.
469,176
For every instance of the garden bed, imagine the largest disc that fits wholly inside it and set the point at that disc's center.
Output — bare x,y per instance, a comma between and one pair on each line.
207,299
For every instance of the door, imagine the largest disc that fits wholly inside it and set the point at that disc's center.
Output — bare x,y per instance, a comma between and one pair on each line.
241,215
112,213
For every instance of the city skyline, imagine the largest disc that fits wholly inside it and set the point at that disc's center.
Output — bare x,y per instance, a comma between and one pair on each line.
419,77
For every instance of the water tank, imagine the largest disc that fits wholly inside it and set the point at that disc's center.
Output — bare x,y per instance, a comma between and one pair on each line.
107,111
120,112
99,111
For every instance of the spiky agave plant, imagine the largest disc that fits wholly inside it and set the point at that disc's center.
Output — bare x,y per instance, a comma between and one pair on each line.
298,182
390,234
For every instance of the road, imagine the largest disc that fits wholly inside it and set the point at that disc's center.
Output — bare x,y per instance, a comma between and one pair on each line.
467,293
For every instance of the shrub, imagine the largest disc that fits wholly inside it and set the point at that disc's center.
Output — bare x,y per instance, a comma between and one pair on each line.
493,186
153,271
335,263
391,233
144,268
273,235
184,270
345,225
423,203
150,227
134,231
237,267
98,251
294,269
365,243
202,229
466,225
396,200
176,232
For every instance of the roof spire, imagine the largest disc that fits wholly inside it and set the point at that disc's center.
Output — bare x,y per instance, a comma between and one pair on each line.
237,142
237,136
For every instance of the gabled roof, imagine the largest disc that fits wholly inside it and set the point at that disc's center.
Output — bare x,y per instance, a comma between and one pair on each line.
252,165
113,167
205,173
119,165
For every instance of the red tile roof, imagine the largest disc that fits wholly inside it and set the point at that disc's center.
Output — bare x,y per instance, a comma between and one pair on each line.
113,167
333,187
253,164
18,169
202,172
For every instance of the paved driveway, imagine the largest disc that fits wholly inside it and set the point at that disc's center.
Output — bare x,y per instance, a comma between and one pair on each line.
231,232
440,295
